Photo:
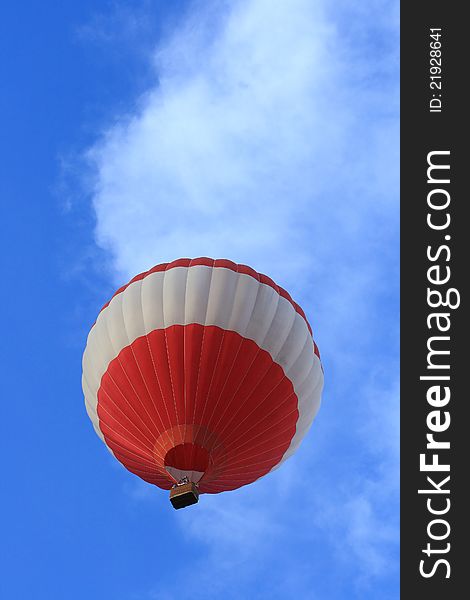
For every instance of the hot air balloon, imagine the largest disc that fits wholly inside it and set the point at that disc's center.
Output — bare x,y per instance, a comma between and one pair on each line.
201,376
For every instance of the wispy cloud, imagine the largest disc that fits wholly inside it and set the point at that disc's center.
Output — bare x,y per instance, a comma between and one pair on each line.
241,144
270,137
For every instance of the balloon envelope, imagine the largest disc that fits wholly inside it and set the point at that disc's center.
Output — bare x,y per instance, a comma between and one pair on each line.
201,369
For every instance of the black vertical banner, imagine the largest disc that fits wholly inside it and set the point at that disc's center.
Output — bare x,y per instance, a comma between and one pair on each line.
435,237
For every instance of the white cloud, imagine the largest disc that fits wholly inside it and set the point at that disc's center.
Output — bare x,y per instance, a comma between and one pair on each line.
271,138
238,145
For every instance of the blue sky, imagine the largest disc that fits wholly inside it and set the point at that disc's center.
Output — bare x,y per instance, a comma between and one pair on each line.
137,132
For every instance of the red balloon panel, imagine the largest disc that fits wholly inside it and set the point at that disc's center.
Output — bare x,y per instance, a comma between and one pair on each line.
197,398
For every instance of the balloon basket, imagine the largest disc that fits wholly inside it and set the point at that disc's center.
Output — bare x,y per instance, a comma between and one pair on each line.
183,495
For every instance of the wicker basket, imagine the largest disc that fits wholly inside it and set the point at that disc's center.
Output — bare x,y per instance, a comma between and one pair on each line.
184,495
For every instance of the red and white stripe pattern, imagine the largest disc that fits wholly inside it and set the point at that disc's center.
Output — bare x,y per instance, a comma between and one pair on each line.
201,368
